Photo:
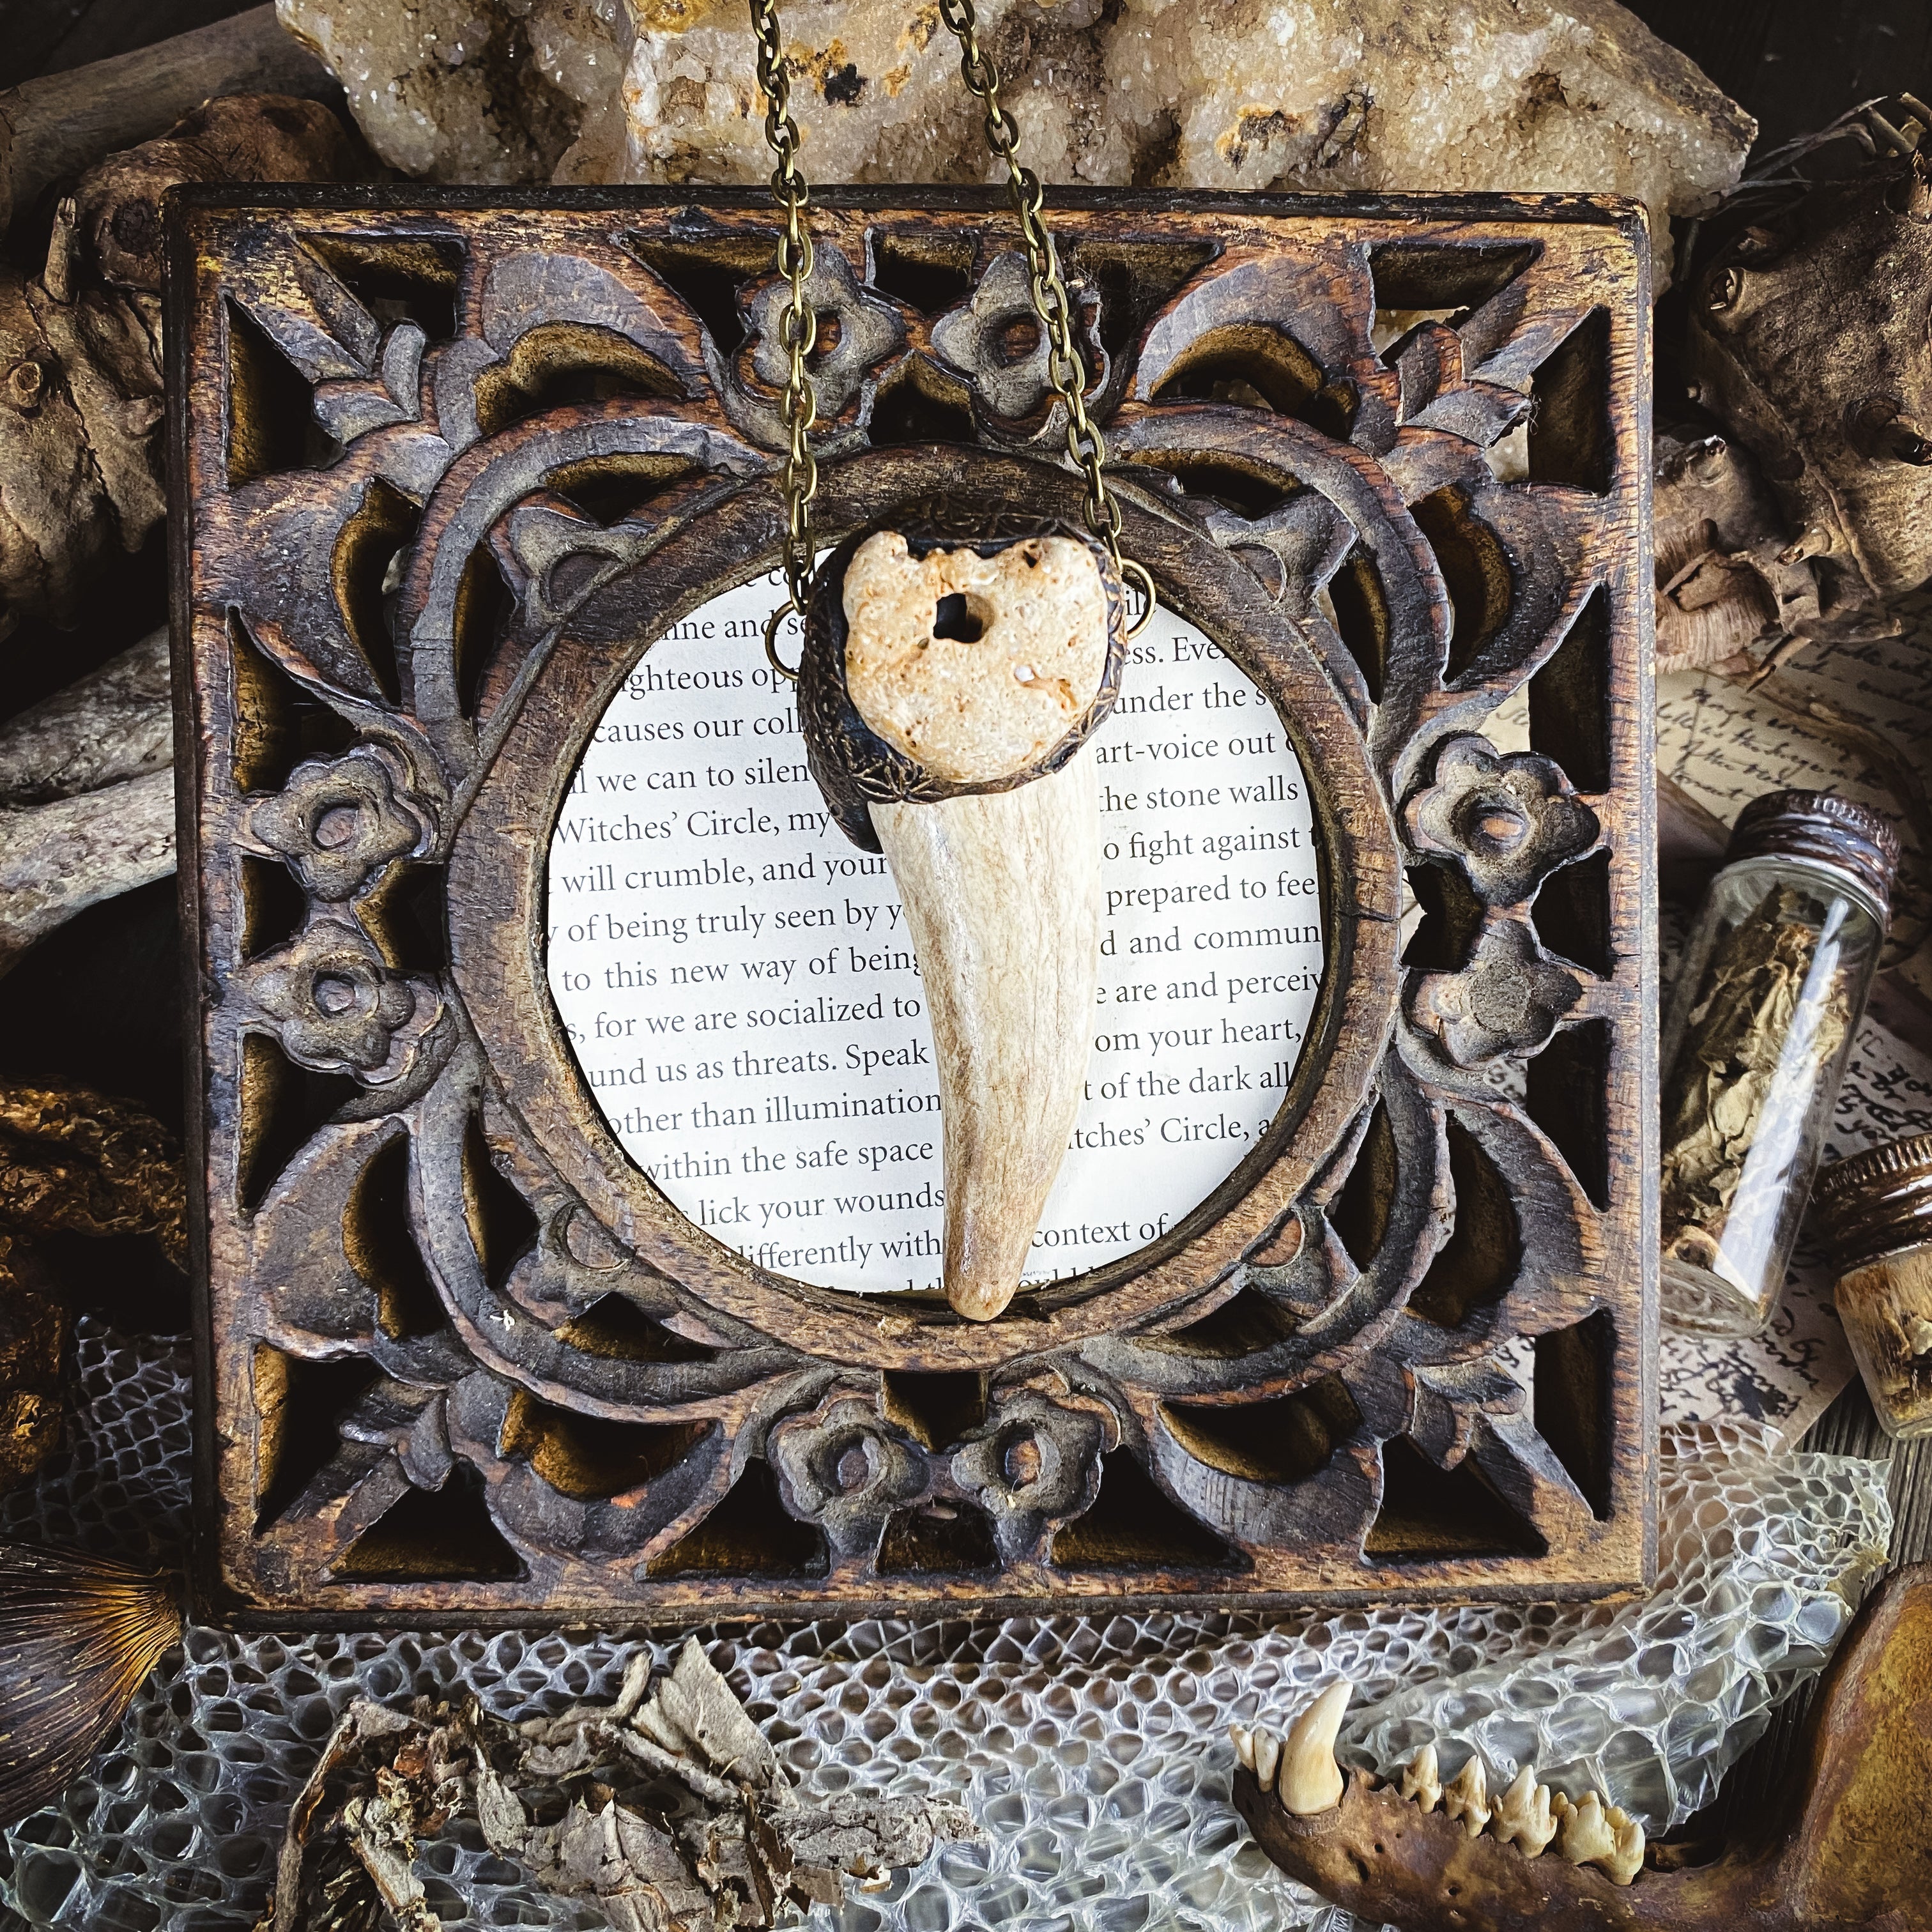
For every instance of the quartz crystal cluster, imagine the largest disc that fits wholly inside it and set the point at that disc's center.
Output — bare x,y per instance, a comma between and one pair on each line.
1288,95
1093,1751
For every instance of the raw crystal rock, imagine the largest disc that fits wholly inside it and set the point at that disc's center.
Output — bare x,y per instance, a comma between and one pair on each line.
1281,94
493,91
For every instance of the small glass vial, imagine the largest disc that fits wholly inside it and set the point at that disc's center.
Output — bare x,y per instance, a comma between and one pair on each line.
1876,1209
1770,989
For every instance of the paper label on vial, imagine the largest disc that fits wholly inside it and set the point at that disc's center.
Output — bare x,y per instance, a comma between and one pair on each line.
739,988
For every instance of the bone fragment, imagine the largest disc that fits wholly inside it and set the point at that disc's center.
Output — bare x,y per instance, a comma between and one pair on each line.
1244,1745
1583,1834
1421,1781
1522,1815
1311,1780
1267,1756
1467,1798
59,124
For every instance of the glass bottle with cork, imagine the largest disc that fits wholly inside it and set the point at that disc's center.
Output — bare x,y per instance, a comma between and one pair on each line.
1770,990
1875,1210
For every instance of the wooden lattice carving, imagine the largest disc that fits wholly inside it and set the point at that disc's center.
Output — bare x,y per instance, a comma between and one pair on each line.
444,464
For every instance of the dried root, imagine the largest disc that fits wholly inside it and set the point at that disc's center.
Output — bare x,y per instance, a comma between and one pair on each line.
669,1808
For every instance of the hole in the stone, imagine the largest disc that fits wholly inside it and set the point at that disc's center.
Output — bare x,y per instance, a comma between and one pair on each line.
935,1408
827,332
591,1458
278,725
1569,699
273,907
483,607
397,279
1566,1092
280,1108
1243,1324
1572,913
1287,1440
271,426
1570,440
431,1536
1571,1403
930,272
910,411
1134,1525
708,274
500,1221
1255,366
943,1536
613,487
749,1535
615,1328
372,540
1475,570
1017,338
1360,610
1430,1514
1361,1212
301,1405
1475,1266
1448,276
961,617
1452,917
1134,280
559,363
382,1249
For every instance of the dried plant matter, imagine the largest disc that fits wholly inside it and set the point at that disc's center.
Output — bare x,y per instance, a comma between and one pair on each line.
1839,1854
668,1806
80,380
33,1337
77,1635
1507,94
1756,1039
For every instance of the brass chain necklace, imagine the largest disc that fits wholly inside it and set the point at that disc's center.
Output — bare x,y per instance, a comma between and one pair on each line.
798,321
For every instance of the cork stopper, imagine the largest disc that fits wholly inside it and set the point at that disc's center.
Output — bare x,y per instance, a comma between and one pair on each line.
1876,1200
1822,829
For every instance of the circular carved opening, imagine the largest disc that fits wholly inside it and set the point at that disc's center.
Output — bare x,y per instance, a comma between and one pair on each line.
746,1005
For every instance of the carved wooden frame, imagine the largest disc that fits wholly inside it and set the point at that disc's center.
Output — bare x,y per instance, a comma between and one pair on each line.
456,1355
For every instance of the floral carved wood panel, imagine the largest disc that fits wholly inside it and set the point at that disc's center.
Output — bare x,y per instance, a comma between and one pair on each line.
445,464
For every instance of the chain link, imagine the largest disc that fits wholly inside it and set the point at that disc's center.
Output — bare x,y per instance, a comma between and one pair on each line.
798,325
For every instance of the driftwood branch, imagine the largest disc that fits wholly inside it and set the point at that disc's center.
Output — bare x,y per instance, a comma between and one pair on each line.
116,723
56,126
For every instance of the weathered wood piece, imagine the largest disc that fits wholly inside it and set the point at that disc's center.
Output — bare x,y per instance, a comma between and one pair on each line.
444,465
1845,1848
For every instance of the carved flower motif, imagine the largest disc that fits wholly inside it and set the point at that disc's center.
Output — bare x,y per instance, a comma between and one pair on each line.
995,341
1033,1464
341,1009
1510,821
339,821
840,1468
1508,999
856,332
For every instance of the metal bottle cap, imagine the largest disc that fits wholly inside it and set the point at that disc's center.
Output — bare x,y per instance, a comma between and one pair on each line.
1825,829
1877,1201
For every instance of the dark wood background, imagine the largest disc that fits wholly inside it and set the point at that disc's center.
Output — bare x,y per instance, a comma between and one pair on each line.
98,1002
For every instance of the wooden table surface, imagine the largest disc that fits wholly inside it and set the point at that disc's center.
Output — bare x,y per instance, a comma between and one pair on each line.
1794,64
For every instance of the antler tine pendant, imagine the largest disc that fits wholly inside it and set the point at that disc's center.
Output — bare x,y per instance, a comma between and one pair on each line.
952,673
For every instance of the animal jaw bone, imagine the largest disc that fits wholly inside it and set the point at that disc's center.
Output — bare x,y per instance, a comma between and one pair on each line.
951,678
1828,1860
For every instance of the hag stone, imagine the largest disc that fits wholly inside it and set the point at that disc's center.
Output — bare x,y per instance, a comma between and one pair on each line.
1504,95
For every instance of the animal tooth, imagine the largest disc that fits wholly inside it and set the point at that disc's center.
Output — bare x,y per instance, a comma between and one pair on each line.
1311,1780
1001,885
1627,1860
1421,1780
1584,1836
1244,1746
1467,1798
1267,1755
1522,1815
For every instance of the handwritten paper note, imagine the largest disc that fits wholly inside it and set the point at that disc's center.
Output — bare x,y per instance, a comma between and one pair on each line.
738,984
